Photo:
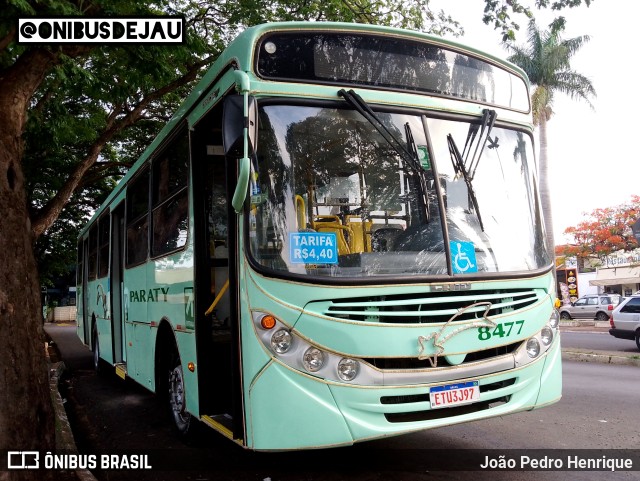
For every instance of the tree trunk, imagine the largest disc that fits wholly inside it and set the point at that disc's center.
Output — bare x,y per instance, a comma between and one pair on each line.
545,191
26,414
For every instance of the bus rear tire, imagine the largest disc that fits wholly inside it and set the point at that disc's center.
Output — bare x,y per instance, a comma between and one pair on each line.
99,366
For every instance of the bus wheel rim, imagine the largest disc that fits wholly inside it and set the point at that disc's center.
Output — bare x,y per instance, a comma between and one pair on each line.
176,395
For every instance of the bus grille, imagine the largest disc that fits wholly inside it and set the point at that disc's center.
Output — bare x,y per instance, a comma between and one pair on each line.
433,307
409,363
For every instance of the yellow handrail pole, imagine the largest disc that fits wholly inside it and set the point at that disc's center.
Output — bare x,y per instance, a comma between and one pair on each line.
301,215
217,299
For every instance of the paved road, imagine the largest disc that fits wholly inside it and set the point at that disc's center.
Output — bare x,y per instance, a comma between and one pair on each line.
600,340
109,415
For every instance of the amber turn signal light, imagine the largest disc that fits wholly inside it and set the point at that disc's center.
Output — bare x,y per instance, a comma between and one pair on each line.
268,322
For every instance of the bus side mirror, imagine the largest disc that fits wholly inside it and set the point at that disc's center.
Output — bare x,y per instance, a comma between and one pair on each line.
233,125
239,135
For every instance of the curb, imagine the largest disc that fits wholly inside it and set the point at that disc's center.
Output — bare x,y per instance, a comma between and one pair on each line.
585,323
601,357
591,355
64,435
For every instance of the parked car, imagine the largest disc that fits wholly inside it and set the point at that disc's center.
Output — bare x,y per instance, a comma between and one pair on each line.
597,307
625,320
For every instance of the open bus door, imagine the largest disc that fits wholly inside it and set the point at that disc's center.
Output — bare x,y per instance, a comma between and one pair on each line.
214,179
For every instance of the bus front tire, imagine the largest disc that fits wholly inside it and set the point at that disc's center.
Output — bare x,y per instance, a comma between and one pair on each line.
182,420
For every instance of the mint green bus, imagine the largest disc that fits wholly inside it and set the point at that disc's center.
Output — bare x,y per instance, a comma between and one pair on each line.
336,238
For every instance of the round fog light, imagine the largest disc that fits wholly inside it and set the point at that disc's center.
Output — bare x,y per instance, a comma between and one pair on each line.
533,347
546,336
313,359
347,369
281,341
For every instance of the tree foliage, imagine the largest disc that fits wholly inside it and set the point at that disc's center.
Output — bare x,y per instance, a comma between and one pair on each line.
546,59
604,231
499,13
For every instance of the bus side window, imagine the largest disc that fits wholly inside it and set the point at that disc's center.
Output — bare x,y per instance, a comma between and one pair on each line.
138,219
170,202
103,244
93,252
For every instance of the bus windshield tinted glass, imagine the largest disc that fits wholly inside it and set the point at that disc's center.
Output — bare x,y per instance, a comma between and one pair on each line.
388,62
331,197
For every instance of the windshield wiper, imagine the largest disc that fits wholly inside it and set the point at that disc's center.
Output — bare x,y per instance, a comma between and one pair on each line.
461,163
417,168
409,155
460,168
487,122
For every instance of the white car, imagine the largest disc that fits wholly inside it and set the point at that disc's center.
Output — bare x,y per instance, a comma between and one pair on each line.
625,320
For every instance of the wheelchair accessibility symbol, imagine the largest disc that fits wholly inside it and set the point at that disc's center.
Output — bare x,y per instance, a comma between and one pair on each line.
463,257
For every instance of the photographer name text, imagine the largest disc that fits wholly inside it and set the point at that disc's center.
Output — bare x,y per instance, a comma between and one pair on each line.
568,463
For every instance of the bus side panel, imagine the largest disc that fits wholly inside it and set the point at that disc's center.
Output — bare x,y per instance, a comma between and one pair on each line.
135,312
254,355
98,314
100,291
170,298
187,348
141,353
161,298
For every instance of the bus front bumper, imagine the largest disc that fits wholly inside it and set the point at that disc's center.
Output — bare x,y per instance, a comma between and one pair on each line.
292,410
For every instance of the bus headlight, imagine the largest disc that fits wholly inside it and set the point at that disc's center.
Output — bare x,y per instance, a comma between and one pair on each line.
546,335
286,346
281,341
554,319
313,359
533,347
347,369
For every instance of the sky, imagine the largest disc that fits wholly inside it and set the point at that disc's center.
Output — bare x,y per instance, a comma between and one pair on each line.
591,156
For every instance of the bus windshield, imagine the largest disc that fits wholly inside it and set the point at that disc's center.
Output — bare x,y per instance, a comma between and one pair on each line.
332,197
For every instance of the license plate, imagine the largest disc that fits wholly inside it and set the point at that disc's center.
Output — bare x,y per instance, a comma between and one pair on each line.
454,394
